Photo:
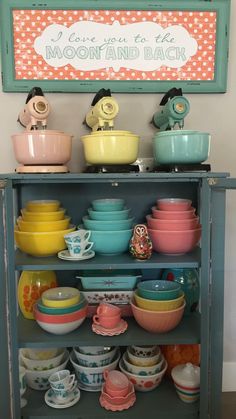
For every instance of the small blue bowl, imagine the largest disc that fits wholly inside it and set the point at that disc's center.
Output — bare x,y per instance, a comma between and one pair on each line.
55,310
108,204
159,290
107,225
112,242
109,215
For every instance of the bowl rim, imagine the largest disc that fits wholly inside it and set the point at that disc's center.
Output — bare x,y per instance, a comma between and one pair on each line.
116,359
158,312
41,361
42,222
178,221
163,302
125,209
43,233
60,319
190,210
65,359
145,377
175,231
100,356
176,286
86,218
125,359
111,231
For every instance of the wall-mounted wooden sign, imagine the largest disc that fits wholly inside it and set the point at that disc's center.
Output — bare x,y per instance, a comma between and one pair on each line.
126,45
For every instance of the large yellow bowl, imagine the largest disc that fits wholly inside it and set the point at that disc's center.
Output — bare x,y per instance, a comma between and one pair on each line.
110,147
158,305
43,216
42,205
43,226
41,244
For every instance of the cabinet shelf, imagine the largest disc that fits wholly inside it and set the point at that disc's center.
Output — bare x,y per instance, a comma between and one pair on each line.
31,335
124,261
161,402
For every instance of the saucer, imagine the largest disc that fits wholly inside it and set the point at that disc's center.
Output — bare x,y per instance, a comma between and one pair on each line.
120,328
52,401
65,255
117,403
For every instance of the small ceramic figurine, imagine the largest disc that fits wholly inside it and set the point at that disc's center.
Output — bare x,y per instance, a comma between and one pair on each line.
140,244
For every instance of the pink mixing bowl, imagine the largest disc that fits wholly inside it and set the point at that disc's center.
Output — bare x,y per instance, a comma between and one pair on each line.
172,225
173,215
174,242
173,204
157,321
44,147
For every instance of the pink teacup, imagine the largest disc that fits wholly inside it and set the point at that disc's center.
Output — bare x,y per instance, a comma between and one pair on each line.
106,309
116,383
108,322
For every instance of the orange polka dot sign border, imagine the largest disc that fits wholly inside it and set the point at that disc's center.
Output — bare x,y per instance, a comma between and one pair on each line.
119,47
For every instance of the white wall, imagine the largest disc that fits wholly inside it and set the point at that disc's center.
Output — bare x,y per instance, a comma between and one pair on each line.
214,113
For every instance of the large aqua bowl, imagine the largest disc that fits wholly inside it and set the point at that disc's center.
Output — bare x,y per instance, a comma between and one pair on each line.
107,225
181,146
112,242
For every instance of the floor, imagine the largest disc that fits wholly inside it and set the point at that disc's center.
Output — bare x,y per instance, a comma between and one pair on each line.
228,405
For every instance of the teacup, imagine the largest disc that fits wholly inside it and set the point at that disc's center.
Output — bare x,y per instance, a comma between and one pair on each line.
117,384
106,309
78,242
62,380
64,394
22,382
108,322
78,236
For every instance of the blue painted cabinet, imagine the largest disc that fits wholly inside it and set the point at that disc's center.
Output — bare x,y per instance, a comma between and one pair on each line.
140,191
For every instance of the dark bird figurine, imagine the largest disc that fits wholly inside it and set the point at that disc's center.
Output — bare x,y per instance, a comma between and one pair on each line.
140,244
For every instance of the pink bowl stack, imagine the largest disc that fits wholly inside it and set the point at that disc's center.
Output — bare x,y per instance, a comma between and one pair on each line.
173,226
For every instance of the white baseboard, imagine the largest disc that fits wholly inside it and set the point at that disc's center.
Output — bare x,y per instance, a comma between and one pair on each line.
229,376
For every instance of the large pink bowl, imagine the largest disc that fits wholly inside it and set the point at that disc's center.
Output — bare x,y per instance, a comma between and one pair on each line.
174,242
157,321
173,215
173,204
42,147
172,225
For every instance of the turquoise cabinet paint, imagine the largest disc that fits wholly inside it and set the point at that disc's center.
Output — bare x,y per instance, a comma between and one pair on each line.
140,191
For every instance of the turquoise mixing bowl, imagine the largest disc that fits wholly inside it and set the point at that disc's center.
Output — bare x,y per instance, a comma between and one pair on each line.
112,242
181,146
159,290
108,204
109,215
107,225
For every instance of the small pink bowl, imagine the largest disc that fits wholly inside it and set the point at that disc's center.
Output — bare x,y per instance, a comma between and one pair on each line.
173,215
60,318
173,204
174,242
172,225
116,381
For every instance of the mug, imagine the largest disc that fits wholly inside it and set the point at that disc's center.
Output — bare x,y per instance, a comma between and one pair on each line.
107,309
108,322
62,380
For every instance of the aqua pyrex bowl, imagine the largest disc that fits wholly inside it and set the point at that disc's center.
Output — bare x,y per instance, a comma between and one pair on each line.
181,146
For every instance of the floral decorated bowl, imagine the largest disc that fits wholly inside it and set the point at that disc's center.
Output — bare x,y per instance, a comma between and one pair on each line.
93,361
41,365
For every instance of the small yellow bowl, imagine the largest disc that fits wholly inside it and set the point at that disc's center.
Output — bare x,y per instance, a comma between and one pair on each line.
41,244
42,205
43,216
43,226
158,305
60,297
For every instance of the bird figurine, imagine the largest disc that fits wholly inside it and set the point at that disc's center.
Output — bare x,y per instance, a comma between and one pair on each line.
140,244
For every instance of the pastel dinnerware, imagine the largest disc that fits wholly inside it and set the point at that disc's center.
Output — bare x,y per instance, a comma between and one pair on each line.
112,242
108,322
41,244
108,204
61,310
61,297
43,216
175,242
158,289
109,215
143,361
43,226
41,364
117,384
162,305
173,215
107,309
143,370
174,204
172,225
43,205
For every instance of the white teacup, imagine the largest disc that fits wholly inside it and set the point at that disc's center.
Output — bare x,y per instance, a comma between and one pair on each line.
78,236
78,242
62,380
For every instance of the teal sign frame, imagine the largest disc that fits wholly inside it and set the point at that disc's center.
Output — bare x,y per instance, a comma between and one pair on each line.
131,46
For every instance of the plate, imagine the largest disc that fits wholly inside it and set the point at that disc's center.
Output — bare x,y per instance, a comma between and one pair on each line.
52,401
120,328
65,255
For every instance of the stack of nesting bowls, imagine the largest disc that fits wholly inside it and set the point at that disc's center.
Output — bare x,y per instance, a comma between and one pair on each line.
145,366
158,306
41,228
173,226
110,225
60,310
39,368
90,363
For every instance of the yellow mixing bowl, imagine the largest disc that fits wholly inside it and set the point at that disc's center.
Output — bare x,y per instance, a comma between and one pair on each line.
42,205
60,297
41,244
158,305
40,226
43,216
110,147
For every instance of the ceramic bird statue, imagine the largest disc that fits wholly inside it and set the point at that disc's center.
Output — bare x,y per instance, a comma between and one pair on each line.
140,244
